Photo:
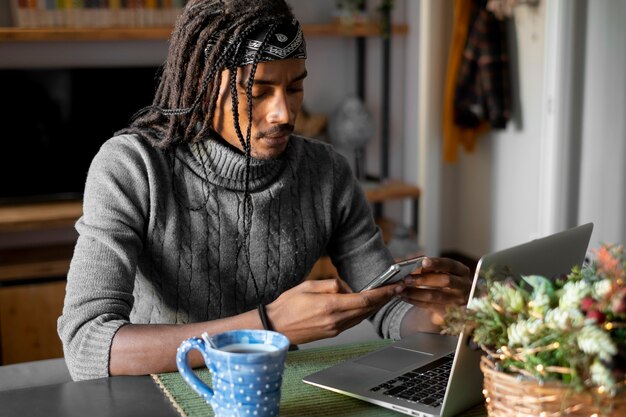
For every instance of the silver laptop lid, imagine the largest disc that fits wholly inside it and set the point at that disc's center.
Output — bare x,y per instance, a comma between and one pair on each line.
548,256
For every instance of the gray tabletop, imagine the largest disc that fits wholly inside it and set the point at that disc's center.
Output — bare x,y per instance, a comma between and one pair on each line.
115,396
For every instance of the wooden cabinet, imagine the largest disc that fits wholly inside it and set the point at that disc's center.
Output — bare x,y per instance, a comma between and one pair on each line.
32,282
28,316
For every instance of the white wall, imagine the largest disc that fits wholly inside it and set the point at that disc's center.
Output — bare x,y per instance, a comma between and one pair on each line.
568,126
603,170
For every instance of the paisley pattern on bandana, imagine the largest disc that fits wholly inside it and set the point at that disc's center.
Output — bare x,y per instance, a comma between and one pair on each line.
286,42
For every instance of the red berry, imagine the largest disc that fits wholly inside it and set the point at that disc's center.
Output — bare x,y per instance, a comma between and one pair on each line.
596,315
587,303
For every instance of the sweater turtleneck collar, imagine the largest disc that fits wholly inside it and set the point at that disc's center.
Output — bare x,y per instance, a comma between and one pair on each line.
225,166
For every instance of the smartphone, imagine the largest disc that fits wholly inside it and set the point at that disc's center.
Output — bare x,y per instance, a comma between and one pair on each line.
395,273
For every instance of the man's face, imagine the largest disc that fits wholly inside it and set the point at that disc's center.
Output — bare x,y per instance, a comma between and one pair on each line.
277,95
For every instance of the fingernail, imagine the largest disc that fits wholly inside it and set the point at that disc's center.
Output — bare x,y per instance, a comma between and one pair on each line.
399,289
409,281
427,262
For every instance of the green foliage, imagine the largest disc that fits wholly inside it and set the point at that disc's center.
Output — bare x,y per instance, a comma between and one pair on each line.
570,328
350,5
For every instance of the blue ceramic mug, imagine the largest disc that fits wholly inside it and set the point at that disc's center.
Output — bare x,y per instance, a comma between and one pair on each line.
246,371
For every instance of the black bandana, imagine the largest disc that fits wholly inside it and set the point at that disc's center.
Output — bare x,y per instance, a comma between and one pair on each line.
286,42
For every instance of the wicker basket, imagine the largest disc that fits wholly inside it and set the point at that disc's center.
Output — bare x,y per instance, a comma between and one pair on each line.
507,396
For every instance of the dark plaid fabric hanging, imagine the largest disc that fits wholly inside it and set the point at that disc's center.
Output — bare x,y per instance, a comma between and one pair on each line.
483,87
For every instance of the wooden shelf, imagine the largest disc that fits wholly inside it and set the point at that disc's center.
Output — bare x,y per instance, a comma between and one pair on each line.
357,30
35,262
390,190
378,193
83,34
14,34
19,217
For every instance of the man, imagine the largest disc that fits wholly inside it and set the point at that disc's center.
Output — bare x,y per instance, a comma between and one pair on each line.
206,214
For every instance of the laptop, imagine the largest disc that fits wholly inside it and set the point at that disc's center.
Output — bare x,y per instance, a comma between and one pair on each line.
433,375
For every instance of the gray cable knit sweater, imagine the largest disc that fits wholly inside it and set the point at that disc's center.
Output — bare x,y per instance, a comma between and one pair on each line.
159,234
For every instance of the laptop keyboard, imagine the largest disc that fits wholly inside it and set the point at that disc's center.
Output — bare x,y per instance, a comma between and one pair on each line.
426,385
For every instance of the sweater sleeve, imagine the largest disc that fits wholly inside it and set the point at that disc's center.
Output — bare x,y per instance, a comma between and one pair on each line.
356,247
100,282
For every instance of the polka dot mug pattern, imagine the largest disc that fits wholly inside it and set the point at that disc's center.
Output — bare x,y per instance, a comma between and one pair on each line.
246,371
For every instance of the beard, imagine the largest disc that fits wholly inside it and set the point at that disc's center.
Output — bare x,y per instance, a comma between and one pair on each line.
262,147
284,129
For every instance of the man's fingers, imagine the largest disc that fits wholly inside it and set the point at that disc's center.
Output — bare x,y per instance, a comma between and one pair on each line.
388,290
331,286
346,300
371,299
445,265
437,280
434,296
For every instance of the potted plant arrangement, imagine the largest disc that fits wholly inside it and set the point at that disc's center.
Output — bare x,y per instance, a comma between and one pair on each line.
555,346
353,12
350,12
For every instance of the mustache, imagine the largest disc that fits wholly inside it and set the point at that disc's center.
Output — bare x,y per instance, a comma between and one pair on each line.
277,130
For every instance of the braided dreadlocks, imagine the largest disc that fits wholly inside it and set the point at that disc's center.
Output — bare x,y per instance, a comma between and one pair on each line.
209,38
185,100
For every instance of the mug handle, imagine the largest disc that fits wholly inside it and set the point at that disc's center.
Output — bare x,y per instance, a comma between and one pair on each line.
188,374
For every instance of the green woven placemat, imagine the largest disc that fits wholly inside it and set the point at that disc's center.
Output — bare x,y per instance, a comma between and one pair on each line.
297,398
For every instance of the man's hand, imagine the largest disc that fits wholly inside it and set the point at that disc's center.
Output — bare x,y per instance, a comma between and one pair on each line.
439,282
324,308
